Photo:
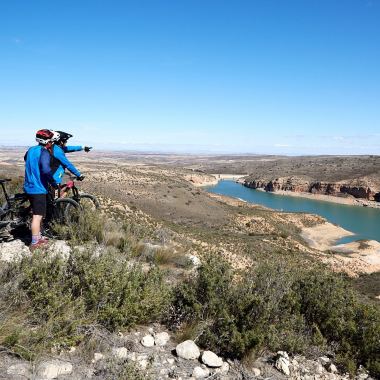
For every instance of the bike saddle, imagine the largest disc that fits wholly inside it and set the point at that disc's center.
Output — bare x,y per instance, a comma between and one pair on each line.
20,196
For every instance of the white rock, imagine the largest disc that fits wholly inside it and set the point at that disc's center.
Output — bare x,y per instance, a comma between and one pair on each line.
164,371
332,368
151,330
188,350
282,364
13,251
200,373
324,360
98,356
53,368
147,341
60,248
143,363
170,361
120,352
318,368
161,339
132,356
211,359
283,354
256,372
223,369
20,369
295,363
194,260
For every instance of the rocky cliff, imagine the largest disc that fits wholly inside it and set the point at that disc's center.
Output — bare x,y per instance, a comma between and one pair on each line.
357,189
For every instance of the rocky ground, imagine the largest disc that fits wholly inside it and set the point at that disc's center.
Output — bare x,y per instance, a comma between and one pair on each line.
152,352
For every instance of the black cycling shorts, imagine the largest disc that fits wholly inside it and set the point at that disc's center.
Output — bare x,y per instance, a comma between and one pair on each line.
38,203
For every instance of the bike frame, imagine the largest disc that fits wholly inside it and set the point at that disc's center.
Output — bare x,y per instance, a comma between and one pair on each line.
8,200
73,188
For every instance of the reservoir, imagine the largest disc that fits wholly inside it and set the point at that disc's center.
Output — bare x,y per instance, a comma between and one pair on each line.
364,222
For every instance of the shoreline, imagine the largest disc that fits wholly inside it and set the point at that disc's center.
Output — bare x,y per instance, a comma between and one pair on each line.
212,179
326,198
324,236
354,258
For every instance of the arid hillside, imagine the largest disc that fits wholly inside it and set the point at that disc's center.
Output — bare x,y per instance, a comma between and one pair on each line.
164,254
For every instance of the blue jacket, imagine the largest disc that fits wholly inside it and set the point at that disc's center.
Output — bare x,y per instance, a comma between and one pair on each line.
37,170
59,162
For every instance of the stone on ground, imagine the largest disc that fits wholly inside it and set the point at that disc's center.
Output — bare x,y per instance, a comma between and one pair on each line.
223,369
20,369
332,368
211,359
53,368
98,356
188,350
282,362
120,352
256,372
161,339
60,248
13,251
200,373
147,341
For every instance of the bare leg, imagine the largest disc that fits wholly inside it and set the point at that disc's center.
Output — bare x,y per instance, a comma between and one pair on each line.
36,224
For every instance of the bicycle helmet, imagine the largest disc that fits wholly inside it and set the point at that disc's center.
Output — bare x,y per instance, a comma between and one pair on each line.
44,136
63,136
56,136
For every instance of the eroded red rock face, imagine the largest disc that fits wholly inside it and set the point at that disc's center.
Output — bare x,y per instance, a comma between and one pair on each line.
297,184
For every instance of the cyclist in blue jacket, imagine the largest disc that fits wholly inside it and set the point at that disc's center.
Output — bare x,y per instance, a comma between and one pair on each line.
38,175
59,161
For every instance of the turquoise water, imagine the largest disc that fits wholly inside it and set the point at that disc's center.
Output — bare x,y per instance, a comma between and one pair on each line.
364,222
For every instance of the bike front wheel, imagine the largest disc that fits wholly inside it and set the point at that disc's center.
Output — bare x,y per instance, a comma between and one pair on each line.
65,211
89,202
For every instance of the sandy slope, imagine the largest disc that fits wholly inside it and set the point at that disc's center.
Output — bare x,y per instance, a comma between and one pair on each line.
353,258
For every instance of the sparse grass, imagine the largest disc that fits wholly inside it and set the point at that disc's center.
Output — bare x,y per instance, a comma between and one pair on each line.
88,225
166,257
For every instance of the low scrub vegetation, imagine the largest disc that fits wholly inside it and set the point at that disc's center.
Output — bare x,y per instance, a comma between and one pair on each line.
50,302
57,300
276,306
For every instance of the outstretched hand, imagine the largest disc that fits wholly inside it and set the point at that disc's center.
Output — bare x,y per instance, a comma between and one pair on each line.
87,148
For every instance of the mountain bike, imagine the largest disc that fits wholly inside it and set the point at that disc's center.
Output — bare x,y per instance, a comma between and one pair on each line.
70,191
16,212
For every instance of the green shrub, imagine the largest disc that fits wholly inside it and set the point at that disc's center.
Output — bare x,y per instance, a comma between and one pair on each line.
126,371
278,305
63,298
120,294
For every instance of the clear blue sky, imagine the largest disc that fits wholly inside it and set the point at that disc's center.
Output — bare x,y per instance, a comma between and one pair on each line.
258,76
